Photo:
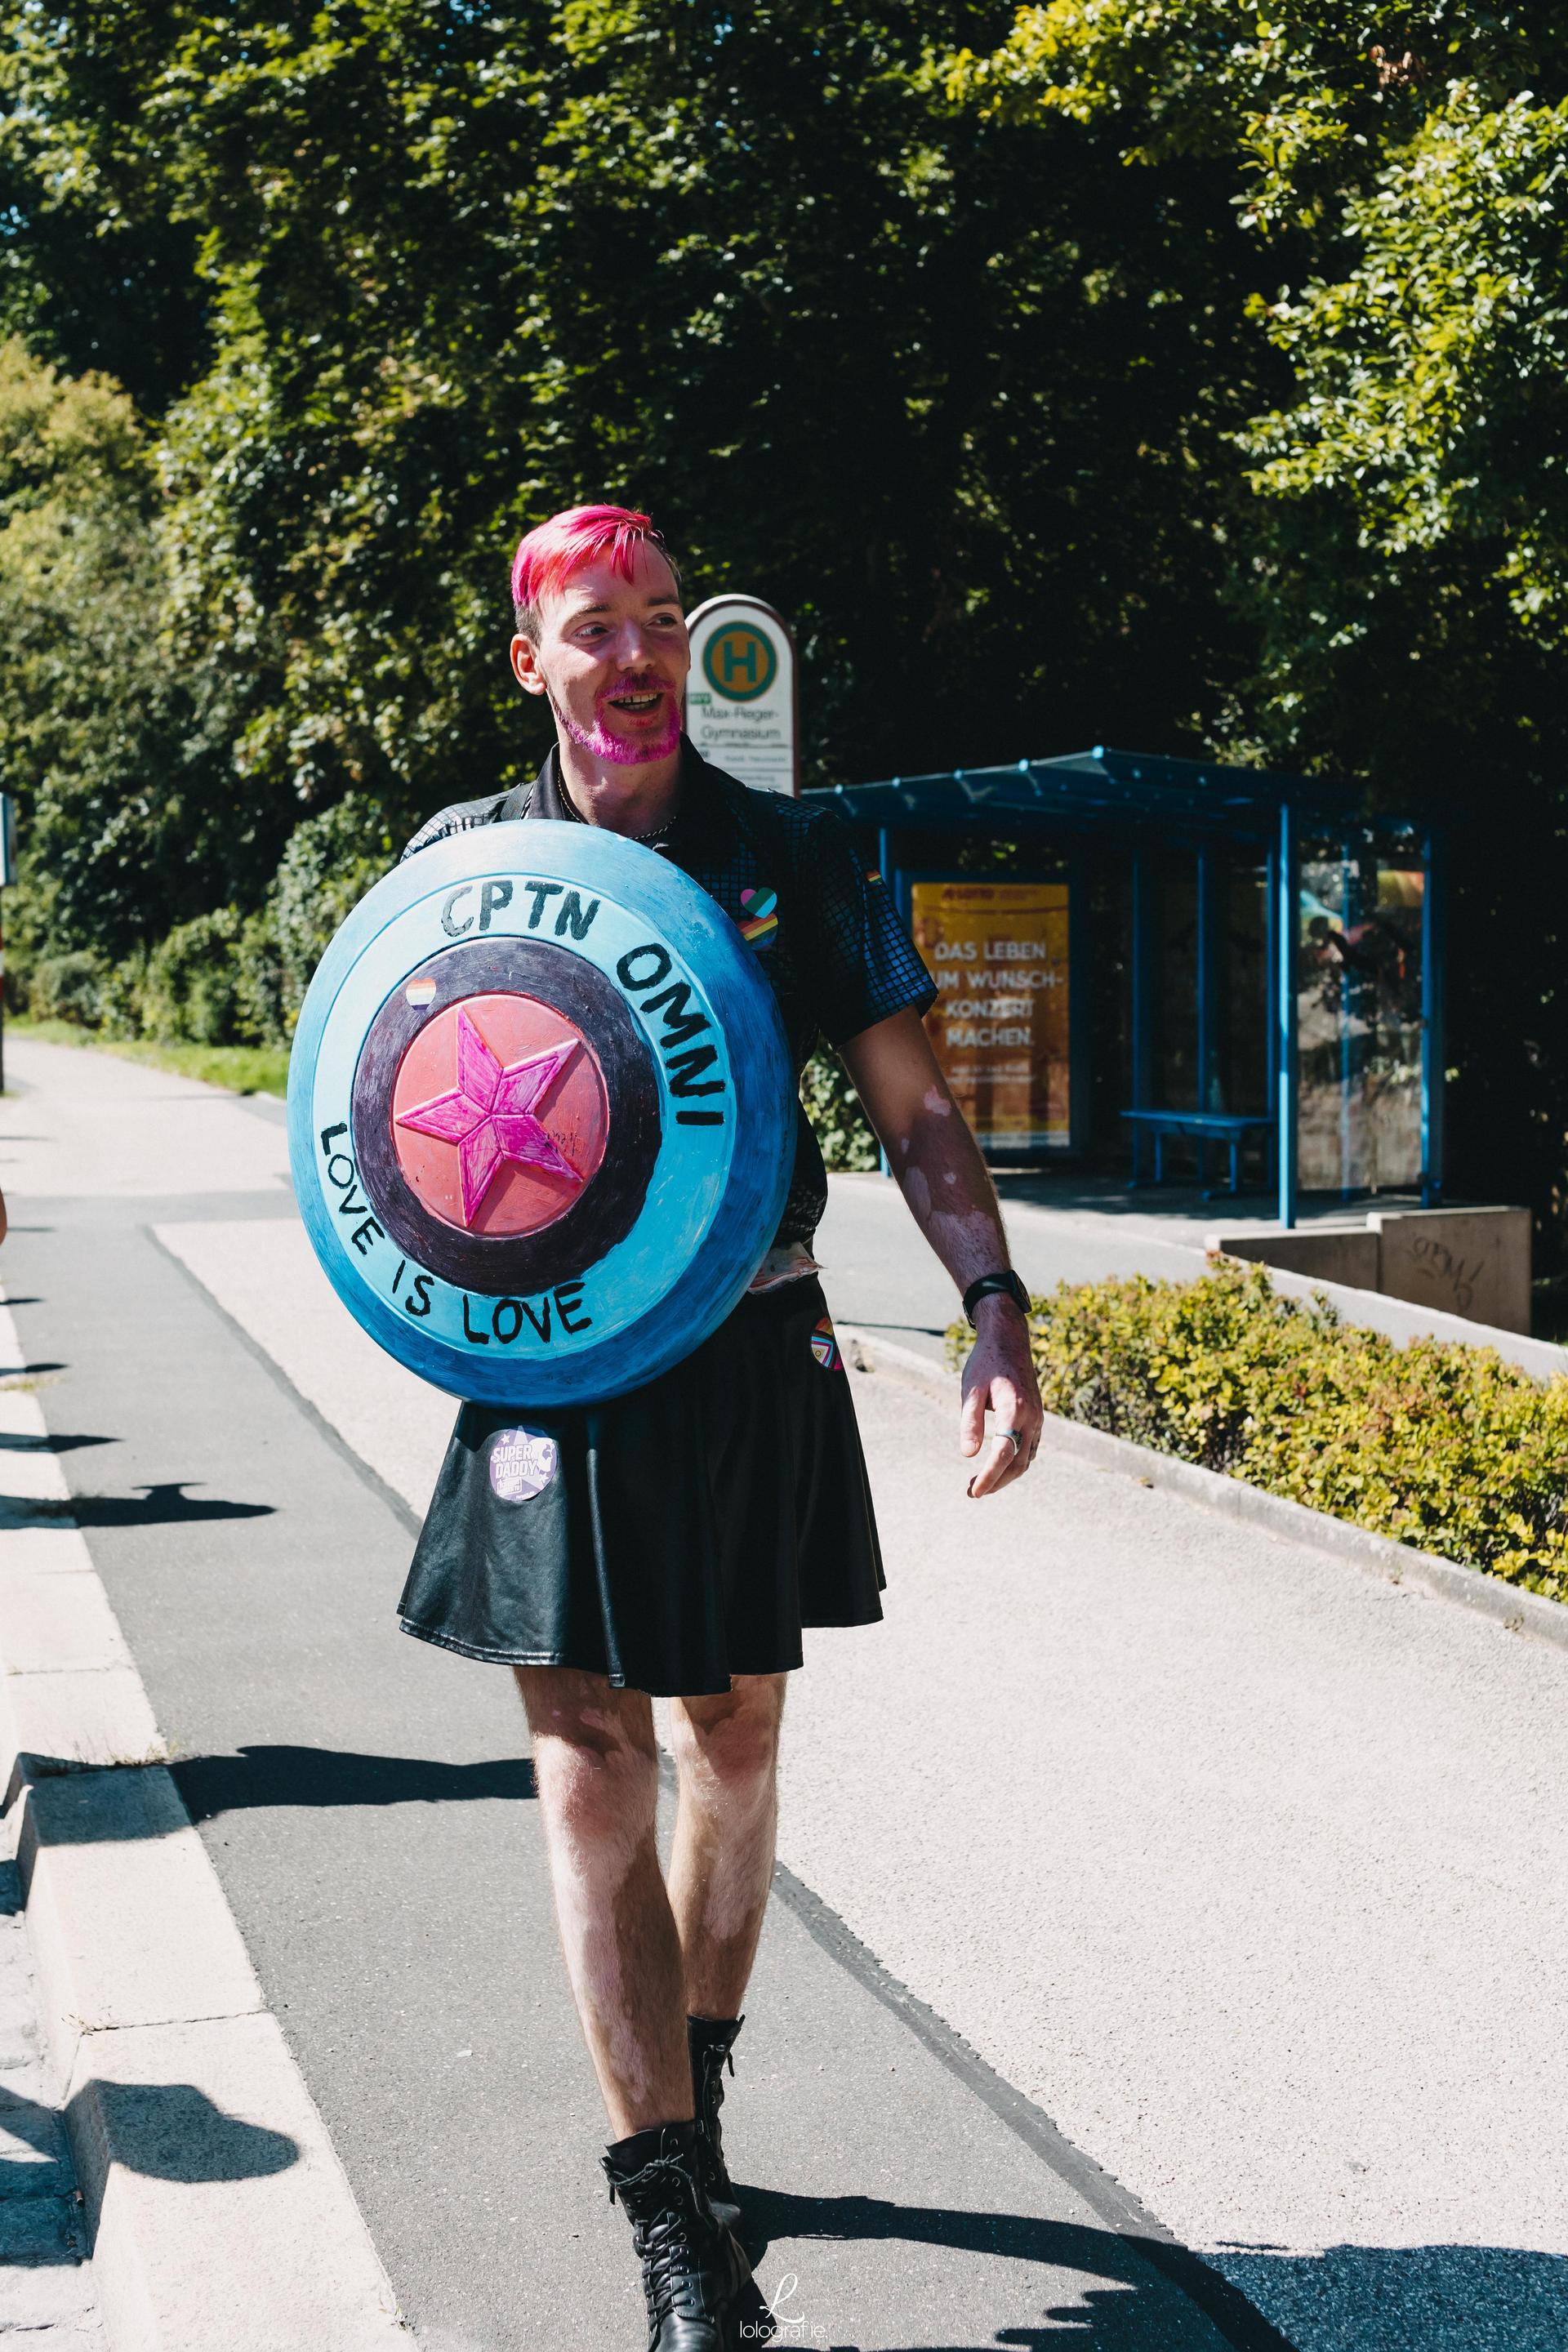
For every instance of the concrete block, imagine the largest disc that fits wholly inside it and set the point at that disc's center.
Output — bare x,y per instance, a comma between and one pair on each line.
129,1925
223,2216
34,2161
41,2229
95,1716
30,1474
52,2303
1401,1321
21,1415
1342,1254
58,1546
1468,1262
51,1623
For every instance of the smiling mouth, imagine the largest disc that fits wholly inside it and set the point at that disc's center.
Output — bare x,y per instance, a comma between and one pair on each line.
638,705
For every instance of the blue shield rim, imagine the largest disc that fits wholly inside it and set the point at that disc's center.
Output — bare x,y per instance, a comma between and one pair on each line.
762,1153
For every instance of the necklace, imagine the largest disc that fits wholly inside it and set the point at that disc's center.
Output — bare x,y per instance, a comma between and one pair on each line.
655,833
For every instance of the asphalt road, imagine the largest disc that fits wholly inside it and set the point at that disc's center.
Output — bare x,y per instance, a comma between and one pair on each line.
1245,1868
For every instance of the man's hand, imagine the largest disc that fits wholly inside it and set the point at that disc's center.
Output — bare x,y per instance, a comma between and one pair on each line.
1000,1374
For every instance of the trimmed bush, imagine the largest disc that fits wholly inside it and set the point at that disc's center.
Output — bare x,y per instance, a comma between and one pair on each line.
833,1109
1438,1444
329,863
225,978
69,987
191,988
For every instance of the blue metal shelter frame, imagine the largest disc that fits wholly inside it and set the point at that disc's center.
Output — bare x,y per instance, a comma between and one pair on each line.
1152,806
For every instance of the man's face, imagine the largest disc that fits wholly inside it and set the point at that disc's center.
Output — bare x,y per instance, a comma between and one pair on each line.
612,654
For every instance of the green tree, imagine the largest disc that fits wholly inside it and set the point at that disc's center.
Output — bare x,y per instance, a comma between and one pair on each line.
1400,548
949,400
130,820
95,269
84,706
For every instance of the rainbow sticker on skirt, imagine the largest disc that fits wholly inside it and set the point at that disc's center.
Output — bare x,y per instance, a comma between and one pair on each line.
759,918
825,1347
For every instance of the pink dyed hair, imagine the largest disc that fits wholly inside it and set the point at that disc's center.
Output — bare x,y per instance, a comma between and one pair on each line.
550,554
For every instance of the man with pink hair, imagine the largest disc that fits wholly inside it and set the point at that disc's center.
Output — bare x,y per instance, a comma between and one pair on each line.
688,1531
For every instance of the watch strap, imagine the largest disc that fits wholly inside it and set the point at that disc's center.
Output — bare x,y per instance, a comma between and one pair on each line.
1006,1283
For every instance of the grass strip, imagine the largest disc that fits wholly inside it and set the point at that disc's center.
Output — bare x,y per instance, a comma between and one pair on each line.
1437,1443
242,1069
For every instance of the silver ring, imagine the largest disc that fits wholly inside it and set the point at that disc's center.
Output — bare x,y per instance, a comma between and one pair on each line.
1015,1434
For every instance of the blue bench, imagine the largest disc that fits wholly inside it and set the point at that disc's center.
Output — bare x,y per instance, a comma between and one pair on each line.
1222,1126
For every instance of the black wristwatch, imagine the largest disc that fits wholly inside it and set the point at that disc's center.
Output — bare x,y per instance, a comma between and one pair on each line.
1007,1285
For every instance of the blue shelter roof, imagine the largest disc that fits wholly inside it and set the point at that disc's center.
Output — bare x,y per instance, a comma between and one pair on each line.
1102,787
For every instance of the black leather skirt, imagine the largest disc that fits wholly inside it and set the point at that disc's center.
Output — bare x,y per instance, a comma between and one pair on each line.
671,1537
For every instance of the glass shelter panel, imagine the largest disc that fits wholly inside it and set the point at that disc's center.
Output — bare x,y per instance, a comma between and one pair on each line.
1243,985
1358,1014
1174,1007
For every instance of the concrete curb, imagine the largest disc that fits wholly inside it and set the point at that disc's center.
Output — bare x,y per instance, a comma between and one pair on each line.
1508,1605
219,2212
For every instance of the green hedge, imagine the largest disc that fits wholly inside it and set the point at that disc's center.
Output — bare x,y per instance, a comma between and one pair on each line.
833,1109
1435,1444
226,979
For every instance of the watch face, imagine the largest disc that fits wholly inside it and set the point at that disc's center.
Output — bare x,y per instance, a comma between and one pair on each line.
996,1286
540,1114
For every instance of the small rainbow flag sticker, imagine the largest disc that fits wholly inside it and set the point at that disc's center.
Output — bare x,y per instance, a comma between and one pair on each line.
759,917
825,1347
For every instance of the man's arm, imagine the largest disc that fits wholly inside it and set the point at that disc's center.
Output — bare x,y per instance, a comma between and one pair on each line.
953,1200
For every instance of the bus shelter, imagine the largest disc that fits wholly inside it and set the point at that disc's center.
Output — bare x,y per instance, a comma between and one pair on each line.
1157,961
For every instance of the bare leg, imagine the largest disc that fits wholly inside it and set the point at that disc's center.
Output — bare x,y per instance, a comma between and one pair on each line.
596,1770
726,1750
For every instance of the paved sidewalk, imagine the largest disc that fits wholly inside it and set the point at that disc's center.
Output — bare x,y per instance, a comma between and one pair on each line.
46,2297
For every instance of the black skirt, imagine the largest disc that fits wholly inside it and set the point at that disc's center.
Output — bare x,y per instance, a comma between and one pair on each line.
668,1538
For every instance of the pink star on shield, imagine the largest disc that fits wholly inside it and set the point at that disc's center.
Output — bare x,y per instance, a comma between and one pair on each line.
491,1115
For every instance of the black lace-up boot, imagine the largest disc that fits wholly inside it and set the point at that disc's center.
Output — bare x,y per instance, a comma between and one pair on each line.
710,2040
697,2280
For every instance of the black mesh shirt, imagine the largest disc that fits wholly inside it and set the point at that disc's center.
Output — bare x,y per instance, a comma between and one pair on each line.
839,958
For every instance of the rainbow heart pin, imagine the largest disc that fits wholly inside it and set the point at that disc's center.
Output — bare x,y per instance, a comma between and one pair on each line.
759,915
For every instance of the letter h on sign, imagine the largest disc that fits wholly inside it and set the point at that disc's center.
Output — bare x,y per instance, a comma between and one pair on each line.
739,659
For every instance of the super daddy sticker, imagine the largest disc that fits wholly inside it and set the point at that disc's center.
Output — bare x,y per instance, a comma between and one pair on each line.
523,1464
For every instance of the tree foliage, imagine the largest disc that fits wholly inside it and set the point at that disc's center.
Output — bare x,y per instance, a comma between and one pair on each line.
85,717
1402,553
952,403
1123,368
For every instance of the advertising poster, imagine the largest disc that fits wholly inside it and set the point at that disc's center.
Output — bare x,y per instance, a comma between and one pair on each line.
998,953
739,697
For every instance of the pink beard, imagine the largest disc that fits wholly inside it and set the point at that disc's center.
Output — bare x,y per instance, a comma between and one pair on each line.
615,750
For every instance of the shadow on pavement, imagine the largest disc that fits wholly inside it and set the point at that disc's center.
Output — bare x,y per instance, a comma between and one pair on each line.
921,1330
1141,2311
1412,2298
263,1776
1433,2298
159,1507
61,1445
172,2131
168,2131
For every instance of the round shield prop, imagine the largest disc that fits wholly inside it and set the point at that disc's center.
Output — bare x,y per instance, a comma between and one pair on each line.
541,1114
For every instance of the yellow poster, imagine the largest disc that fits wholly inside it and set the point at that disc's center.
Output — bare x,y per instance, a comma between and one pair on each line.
998,953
